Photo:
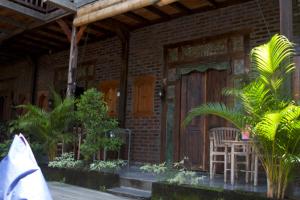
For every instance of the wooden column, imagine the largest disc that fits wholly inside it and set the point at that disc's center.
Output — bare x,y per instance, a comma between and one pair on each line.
124,37
72,63
286,29
34,64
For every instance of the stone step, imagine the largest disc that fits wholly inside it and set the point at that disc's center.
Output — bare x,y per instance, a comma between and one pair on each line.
132,193
138,183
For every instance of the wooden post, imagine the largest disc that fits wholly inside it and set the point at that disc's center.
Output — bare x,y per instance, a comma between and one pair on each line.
286,29
124,37
33,62
72,63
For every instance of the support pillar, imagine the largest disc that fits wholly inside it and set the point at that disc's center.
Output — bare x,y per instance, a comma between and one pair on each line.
286,29
72,63
124,37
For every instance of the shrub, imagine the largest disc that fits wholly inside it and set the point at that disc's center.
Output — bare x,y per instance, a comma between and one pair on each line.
66,160
107,166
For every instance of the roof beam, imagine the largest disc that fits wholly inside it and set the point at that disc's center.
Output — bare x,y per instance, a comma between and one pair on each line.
136,17
180,7
212,3
21,9
11,21
157,11
64,4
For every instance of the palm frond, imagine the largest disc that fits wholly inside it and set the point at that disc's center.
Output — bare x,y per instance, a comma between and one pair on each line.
272,60
256,98
57,100
218,109
267,127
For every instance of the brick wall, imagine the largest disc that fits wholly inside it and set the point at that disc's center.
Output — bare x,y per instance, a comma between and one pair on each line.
146,57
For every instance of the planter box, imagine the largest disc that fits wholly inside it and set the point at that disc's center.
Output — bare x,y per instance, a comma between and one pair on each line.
165,191
89,179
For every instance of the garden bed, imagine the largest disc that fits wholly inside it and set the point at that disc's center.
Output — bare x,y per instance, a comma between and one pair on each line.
89,179
165,191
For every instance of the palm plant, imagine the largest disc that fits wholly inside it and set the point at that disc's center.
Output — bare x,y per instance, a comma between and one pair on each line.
50,127
273,117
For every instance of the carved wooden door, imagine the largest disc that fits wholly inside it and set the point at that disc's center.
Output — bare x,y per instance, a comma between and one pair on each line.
192,138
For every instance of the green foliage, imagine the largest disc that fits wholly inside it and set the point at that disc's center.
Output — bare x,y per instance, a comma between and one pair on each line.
176,174
92,113
274,119
66,160
155,168
4,148
107,166
49,128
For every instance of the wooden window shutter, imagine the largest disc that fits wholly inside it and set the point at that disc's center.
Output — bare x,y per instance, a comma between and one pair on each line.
143,96
110,89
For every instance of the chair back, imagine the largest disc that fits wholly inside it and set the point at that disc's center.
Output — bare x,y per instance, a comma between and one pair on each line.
218,135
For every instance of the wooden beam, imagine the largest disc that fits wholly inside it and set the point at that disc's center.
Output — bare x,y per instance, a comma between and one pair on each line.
180,7
286,18
64,4
286,28
72,64
165,2
80,33
11,21
42,40
58,14
111,11
64,26
96,6
99,27
50,35
124,36
212,3
22,9
157,11
137,17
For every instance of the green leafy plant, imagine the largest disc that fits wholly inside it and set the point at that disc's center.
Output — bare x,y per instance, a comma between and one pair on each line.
265,108
66,160
155,168
92,112
107,166
4,148
174,174
49,128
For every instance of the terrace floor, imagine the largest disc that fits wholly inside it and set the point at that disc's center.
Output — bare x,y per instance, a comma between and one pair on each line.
61,191
218,182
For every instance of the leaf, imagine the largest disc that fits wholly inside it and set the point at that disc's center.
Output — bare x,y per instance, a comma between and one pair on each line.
268,126
218,109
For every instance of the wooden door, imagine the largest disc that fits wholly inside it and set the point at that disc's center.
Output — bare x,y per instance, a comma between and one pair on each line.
192,138
216,81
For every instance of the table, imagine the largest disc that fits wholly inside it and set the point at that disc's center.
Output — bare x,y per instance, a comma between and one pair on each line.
245,149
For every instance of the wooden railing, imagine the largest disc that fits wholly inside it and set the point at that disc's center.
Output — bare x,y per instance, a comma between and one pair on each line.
38,5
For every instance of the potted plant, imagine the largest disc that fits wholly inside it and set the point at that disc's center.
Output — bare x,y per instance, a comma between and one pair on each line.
267,112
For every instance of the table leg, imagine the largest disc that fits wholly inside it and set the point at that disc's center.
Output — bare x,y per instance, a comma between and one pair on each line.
255,169
232,165
225,164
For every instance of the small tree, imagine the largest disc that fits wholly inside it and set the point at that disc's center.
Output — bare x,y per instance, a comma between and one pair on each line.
50,127
92,112
273,118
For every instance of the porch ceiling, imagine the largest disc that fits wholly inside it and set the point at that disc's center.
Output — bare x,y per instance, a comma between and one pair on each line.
30,28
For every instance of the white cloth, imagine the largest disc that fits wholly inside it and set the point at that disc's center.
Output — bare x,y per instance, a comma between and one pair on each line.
20,176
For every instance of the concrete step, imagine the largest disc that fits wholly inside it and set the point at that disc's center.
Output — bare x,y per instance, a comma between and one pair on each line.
132,193
138,183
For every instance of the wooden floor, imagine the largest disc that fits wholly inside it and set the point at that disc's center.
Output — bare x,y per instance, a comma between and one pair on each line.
61,191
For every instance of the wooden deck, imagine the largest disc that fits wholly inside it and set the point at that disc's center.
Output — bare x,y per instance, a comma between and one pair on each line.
61,191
